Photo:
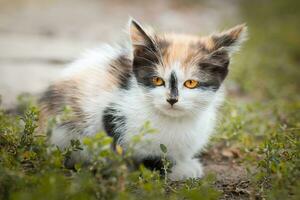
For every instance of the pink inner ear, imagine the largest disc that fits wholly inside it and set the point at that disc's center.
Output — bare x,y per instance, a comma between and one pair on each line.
236,31
138,35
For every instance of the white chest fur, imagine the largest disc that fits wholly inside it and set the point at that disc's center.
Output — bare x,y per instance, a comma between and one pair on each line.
183,137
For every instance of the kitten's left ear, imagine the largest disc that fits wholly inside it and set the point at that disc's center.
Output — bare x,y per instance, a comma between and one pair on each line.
229,40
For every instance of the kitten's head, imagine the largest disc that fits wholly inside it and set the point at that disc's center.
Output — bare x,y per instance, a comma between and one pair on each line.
181,74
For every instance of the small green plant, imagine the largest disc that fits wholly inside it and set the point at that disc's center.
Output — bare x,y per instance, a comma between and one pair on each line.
165,161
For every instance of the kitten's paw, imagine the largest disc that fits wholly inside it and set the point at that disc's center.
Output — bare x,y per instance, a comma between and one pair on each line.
185,170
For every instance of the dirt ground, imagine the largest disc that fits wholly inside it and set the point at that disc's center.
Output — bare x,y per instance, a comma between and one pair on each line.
39,37
231,177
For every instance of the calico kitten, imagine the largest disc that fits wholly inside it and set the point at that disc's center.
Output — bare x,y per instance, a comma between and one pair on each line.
174,81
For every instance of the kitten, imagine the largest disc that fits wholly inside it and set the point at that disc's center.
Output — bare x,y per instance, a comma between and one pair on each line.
174,81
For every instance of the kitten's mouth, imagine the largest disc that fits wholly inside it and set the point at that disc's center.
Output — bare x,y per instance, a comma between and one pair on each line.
172,111
173,108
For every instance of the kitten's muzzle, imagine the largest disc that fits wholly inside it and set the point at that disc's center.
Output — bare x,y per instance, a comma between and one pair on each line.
172,101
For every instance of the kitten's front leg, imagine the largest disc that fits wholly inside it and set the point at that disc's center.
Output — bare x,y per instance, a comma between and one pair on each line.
190,168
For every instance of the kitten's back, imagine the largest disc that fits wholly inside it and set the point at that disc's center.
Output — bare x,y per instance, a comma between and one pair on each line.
86,87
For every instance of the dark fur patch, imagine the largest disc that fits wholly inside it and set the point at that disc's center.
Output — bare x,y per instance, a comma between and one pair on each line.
57,98
122,68
223,41
112,120
145,59
153,163
216,66
145,56
53,98
144,63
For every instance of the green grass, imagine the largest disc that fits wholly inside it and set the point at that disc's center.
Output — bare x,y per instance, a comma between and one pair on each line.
261,119
30,169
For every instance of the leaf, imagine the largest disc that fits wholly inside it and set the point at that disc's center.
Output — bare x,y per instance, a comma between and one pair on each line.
119,149
163,148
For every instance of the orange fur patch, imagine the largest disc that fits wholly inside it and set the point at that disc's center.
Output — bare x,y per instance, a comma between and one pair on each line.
181,48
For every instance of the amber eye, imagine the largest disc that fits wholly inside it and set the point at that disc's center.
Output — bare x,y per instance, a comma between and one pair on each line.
158,81
191,84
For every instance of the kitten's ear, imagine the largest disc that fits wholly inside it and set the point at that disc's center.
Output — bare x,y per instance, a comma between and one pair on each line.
220,47
229,40
138,35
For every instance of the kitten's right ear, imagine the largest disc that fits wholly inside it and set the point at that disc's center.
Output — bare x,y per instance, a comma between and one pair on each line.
229,40
138,35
